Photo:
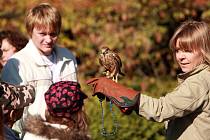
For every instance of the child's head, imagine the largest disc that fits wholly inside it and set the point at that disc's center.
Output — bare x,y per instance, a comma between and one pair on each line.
191,44
43,16
64,101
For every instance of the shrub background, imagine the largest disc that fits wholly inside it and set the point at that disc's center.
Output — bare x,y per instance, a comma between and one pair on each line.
139,30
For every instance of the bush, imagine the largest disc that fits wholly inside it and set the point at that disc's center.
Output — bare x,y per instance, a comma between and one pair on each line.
139,30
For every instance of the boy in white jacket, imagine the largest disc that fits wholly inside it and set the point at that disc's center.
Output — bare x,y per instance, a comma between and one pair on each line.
41,62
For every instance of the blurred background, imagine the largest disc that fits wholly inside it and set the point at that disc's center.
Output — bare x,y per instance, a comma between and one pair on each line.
138,30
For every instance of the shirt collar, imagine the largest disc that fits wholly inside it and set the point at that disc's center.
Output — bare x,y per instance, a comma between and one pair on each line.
38,58
60,55
182,76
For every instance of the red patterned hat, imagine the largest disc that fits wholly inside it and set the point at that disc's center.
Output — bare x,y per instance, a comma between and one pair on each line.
64,98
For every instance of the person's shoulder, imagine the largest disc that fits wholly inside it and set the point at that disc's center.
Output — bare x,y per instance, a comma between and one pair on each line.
21,54
202,76
206,73
64,52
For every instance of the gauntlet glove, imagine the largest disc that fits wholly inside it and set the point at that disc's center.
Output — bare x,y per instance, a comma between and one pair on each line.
124,98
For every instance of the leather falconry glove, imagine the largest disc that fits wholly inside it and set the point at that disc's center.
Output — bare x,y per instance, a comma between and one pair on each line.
125,98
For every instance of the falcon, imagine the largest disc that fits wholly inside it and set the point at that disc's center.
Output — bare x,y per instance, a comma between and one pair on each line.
111,62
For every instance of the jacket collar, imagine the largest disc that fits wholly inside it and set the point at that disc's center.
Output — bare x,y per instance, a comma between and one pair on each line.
37,56
182,76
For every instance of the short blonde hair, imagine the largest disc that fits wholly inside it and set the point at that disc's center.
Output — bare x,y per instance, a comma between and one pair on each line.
194,36
43,15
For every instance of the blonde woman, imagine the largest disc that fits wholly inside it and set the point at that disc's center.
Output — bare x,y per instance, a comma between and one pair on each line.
185,110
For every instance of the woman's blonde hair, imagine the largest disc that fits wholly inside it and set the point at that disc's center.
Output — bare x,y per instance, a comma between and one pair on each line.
43,15
193,36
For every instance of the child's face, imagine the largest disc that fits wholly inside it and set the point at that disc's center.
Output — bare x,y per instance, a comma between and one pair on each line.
188,59
44,39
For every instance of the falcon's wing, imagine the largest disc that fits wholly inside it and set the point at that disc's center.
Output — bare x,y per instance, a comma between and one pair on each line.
118,63
117,59
106,62
101,59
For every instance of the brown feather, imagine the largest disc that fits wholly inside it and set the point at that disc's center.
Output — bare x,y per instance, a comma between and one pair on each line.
111,63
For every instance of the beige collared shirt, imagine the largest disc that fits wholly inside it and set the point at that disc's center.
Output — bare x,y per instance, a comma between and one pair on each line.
185,110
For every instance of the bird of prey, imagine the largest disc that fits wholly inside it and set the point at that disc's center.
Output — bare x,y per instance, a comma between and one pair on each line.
111,62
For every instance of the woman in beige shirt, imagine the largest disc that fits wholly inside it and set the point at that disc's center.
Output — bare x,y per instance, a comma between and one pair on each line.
185,110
